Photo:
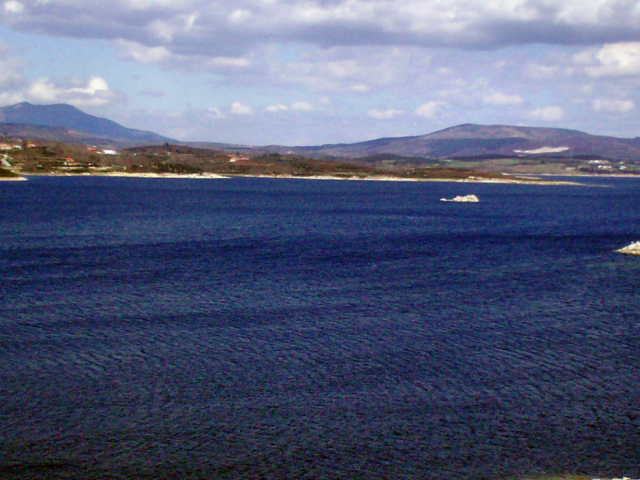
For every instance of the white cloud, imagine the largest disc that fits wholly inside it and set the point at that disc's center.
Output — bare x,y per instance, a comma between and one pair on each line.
612,60
13,7
164,56
95,93
276,108
302,107
238,108
501,99
613,106
96,85
384,114
226,63
15,87
298,106
548,114
141,53
429,109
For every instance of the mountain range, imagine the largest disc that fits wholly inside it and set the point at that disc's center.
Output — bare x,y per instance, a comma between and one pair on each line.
68,124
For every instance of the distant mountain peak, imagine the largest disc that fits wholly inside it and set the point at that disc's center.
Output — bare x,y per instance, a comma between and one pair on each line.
69,117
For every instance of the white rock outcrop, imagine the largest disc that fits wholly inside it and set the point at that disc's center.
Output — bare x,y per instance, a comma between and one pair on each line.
543,150
462,199
633,249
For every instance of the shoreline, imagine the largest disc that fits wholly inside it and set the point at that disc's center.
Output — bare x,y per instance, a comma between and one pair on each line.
587,175
385,178
381,178
13,179
204,176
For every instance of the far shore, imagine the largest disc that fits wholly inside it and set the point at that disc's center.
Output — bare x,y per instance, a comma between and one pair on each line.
380,178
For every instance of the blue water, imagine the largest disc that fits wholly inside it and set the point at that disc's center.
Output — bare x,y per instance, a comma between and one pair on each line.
260,328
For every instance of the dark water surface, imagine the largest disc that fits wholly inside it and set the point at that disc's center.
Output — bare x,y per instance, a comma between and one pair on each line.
257,328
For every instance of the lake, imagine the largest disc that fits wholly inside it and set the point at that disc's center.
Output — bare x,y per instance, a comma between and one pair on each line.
283,328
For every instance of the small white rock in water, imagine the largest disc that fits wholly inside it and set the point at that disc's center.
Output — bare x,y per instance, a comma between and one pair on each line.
623,478
461,198
633,249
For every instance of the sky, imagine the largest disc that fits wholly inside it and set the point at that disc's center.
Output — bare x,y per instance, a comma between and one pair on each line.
310,72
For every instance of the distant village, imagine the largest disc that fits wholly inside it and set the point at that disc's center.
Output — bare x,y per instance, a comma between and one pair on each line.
28,156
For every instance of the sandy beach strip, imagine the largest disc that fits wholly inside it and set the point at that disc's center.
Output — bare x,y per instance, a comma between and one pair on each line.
12,179
205,176
375,178
385,178
161,175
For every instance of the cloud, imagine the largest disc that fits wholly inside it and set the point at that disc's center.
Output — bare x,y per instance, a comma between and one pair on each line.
364,54
13,7
94,93
613,60
232,29
501,99
238,108
384,114
298,106
165,57
429,109
547,114
302,107
141,53
276,108
613,106
608,63
359,69
14,87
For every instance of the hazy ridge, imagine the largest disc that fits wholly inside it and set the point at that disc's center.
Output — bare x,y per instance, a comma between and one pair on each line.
68,124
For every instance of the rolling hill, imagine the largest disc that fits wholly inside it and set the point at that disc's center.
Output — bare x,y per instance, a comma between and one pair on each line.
464,141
